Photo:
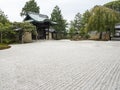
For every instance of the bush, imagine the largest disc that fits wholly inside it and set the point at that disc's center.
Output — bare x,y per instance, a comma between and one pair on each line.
86,36
4,46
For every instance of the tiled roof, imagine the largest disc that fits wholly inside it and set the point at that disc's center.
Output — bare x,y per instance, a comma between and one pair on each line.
31,17
37,17
117,25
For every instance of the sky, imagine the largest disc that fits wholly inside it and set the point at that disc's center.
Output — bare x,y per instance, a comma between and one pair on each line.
69,8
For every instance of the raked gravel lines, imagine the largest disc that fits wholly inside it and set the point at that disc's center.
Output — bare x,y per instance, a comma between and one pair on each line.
61,65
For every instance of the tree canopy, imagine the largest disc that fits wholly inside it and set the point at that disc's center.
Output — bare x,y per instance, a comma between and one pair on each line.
75,25
3,17
21,28
57,17
102,19
85,19
115,5
4,26
78,25
30,6
25,26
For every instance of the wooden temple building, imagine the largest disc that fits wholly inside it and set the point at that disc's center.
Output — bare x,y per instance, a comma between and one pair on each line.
117,30
116,34
43,24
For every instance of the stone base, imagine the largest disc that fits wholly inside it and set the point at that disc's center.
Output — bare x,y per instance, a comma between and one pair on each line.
27,37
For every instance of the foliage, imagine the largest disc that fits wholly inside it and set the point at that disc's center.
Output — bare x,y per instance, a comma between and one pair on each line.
3,17
71,32
57,17
7,33
4,46
75,25
115,5
102,19
30,6
77,22
21,27
85,20
25,26
5,28
3,20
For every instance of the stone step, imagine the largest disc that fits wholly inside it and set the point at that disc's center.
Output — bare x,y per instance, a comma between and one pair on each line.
115,38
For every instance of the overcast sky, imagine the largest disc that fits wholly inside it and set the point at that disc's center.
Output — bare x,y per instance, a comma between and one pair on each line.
69,8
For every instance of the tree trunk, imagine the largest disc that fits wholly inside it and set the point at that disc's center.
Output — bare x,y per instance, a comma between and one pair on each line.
56,36
100,36
36,37
1,37
22,39
109,34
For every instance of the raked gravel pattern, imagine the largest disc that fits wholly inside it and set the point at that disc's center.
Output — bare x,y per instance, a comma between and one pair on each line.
61,65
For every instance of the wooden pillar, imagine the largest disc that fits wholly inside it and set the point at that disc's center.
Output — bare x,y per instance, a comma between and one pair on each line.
48,32
56,35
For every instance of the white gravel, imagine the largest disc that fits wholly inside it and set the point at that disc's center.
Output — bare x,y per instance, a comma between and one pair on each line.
61,65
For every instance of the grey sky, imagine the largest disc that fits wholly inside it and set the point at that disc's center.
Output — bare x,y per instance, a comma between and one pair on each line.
69,8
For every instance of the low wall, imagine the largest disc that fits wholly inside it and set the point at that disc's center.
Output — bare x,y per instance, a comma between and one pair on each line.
27,37
96,36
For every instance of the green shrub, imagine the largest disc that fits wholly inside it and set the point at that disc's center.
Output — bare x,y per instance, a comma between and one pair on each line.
4,46
86,36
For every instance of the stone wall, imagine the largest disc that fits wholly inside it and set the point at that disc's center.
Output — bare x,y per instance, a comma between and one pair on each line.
27,37
94,35
105,36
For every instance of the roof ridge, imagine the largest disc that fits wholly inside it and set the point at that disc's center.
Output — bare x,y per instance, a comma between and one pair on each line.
40,15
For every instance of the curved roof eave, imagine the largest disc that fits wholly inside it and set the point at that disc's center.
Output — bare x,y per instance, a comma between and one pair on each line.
38,17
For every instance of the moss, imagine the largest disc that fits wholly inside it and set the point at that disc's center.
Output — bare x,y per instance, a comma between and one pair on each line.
4,46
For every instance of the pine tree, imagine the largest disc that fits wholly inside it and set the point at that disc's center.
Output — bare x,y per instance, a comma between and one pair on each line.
4,26
76,24
57,17
30,6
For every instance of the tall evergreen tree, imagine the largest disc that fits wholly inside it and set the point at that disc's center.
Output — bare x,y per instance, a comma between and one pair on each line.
57,17
75,25
77,22
3,17
4,26
30,6
85,18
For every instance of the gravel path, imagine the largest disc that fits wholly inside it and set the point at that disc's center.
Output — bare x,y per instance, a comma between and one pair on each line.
61,65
